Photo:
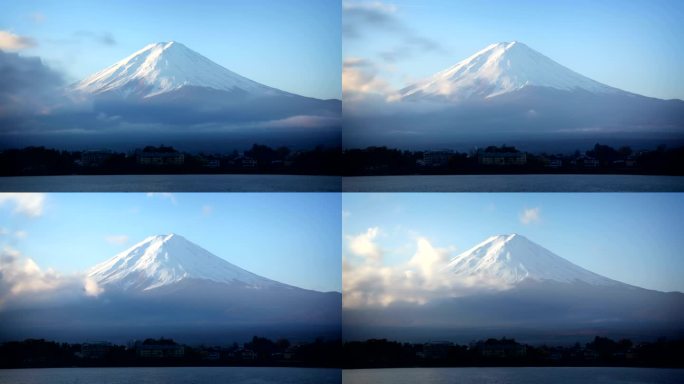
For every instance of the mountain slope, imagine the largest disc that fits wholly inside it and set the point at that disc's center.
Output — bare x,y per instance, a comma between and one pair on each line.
168,259
499,69
165,67
511,259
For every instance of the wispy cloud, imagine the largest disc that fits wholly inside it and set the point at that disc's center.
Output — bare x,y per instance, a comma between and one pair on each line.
13,42
359,18
29,204
117,239
163,195
207,210
17,235
530,216
356,16
104,38
37,17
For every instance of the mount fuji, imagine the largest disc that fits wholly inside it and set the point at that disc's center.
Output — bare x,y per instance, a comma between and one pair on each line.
509,285
166,93
513,259
170,82
160,261
170,285
508,91
167,67
500,69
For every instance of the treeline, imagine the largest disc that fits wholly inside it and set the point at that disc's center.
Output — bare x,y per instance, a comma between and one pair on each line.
602,351
260,351
599,159
259,159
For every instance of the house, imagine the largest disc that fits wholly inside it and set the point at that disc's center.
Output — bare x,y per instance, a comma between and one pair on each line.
436,158
589,162
159,156
501,348
436,350
501,156
95,158
162,348
95,350
553,163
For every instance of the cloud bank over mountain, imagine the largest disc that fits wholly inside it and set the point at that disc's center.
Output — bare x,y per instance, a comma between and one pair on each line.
506,283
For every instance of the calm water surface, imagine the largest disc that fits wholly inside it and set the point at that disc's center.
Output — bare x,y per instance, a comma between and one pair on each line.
182,375
513,375
172,183
514,183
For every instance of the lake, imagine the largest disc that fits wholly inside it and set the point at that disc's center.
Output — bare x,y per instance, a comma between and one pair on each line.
179,375
555,375
171,183
514,183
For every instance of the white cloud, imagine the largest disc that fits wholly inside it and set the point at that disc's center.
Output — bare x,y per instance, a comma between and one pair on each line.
20,234
24,281
29,204
300,121
345,214
364,245
530,216
22,274
117,239
164,195
12,42
367,282
360,77
91,288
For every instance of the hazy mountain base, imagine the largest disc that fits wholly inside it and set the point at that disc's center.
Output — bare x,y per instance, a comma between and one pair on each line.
190,311
533,118
534,312
191,119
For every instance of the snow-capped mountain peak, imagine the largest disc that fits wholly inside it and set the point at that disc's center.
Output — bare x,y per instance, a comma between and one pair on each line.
499,69
167,259
511,259
164,67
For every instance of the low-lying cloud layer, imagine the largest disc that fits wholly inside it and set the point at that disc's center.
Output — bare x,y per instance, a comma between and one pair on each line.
23,282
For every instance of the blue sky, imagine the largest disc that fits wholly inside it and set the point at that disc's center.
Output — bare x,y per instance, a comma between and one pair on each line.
292,45
292,238
633,238
634,45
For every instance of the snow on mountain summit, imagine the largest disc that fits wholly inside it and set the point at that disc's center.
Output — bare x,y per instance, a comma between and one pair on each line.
164,67
166,259
498,69
510,259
